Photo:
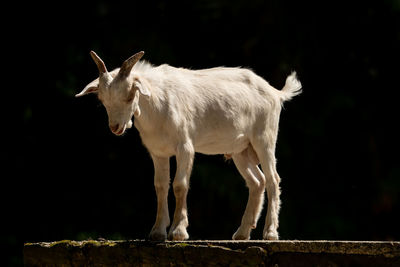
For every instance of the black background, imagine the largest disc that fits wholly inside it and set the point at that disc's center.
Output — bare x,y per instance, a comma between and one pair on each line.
65,176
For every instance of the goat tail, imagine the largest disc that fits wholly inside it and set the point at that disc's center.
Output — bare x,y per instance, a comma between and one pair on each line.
292,87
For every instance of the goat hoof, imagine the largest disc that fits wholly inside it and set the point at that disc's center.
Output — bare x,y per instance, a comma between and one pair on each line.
241,235
271,236
178,234
157,236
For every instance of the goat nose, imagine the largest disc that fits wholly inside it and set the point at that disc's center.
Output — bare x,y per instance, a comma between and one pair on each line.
114,128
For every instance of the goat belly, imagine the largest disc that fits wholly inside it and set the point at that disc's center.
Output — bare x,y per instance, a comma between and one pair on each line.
215,145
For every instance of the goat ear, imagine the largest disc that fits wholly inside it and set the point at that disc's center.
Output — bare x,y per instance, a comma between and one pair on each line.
141,86
92,87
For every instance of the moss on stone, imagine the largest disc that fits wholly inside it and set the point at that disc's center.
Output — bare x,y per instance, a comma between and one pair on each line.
210,253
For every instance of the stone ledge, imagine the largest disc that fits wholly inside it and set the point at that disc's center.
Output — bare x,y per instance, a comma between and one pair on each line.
212,253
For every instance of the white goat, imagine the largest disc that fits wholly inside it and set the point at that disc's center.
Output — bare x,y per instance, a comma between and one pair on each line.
178,112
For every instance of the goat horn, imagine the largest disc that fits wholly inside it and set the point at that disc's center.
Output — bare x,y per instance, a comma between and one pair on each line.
100,64
129,63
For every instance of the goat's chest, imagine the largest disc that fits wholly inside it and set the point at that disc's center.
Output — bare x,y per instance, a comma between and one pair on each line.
157,141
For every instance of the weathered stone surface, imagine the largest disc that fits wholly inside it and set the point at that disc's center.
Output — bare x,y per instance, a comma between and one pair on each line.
212,253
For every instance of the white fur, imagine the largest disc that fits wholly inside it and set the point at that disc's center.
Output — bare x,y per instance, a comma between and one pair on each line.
178,112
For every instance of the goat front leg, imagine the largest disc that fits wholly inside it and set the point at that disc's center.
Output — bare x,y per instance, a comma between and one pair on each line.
161,184
184,163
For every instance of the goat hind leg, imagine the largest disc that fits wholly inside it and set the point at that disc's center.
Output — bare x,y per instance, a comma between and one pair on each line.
255,181
273,192
266,154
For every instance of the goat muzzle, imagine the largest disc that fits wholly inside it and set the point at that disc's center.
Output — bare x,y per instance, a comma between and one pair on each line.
114,127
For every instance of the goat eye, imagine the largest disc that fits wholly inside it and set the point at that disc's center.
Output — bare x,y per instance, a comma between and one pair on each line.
130,98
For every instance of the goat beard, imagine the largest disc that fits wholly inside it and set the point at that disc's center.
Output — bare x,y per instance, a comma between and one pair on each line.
129,124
